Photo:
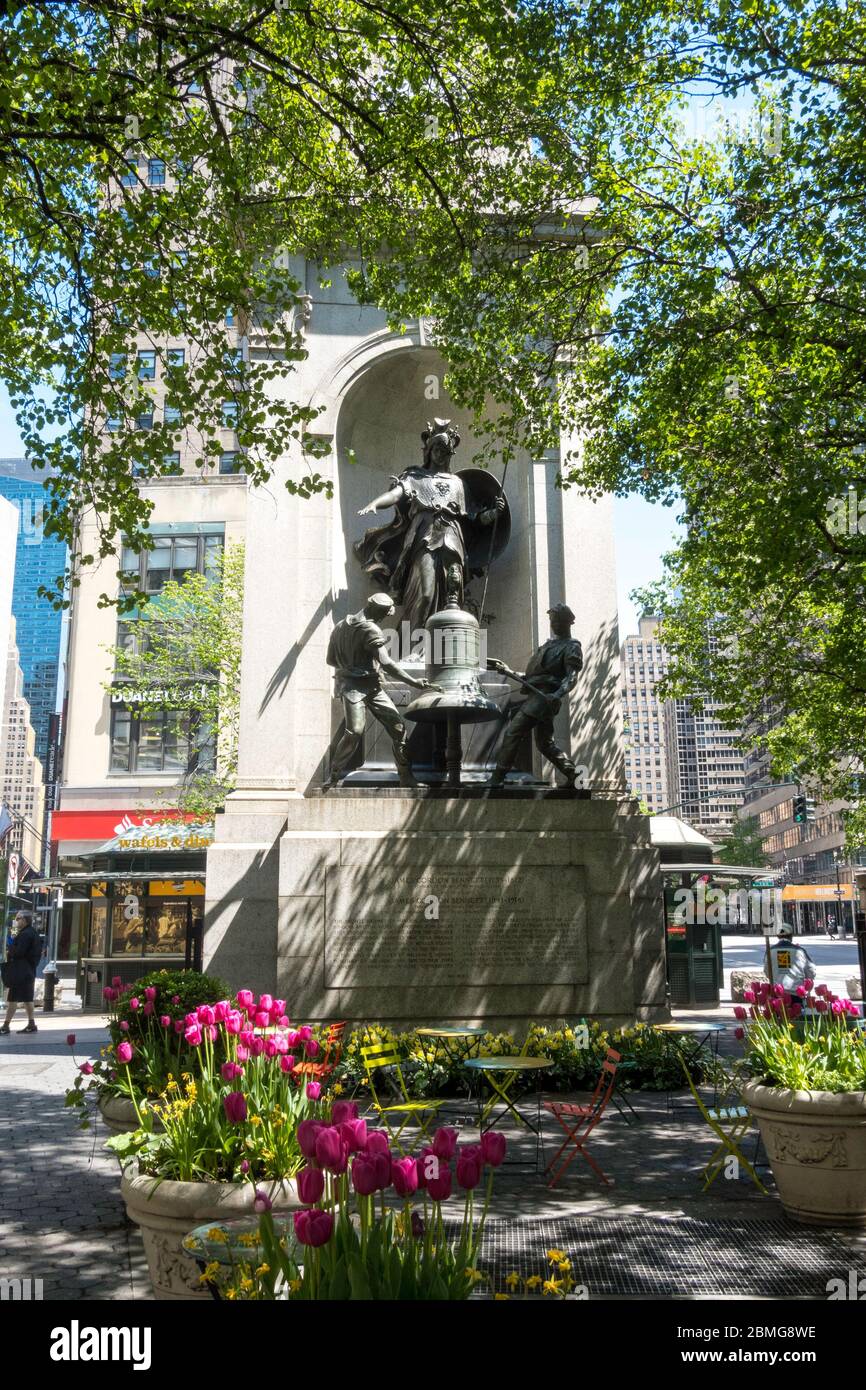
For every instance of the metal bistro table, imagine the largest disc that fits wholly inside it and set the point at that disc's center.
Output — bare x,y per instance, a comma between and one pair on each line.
500,1073
457,1041
688,1040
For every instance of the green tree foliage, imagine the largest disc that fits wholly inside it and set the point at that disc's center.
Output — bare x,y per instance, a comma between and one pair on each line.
193,626
743,845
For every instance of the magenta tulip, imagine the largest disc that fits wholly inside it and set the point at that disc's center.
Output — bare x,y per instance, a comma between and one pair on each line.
382,1163
311,1047
86,1067
109,993
124,1052
343,1110
150,992
439,1189
311,1185
178,1025
235,1106
266,1003
230,1070
329,1147
287,1063
221,1011
305,1033
308,1133
246,1036
314,1090
377,1142
233,1021
364,1176
124,1026
193,1035
70,1039
148,1009
469,1170
116,981
135,1004
313,1227
262,1019
279,1007
257,1046
270,1047
175,999
165,1021
493,1147
739,1011
205,1014
243,1053
354,1133
445,1143
262,1202
246,998
404,1176
739,1032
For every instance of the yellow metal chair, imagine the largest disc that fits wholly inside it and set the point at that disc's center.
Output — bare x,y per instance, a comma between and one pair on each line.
423,1112
730,1124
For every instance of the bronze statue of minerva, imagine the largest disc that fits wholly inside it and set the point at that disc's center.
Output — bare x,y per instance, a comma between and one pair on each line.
550,674
356,652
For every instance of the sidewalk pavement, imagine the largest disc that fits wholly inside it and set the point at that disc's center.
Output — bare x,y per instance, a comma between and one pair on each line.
652,1233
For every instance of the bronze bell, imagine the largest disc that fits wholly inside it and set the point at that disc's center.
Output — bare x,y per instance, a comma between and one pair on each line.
454,664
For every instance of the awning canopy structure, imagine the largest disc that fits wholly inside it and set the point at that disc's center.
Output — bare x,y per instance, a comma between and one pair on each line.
669,832
168,838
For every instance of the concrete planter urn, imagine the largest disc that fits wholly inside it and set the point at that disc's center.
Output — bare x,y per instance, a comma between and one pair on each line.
166,1211
118,1112
816,1144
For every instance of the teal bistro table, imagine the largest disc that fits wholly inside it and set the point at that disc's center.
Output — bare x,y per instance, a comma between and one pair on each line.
500,1074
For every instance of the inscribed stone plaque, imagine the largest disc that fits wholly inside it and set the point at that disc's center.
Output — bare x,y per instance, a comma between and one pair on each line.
455,926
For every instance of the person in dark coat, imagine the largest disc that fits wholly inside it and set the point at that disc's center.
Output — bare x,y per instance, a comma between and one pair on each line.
21,960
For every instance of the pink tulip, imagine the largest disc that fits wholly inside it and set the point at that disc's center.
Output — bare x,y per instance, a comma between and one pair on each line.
221,1011
279,1007
257,1046
305,1033
749,996
364,1176
739,1032
287,1064
193,1035
233,1021
123,1026
836,1006
148,1009
404,1176
70,1039
245,1166
808,984
150,993
246,998
739,1011
285,1022
135,1004
270,1047
308,1133
382,1163
191,1020
117,982
469,1170
86,1067
377,1140
109,993
329,1147
493,1147
243,1053
262,1019
178,1025
230,1070
311,1185
235,1106
175,999
124,1052
262,1202
313,1227
204,1014
445,1143
343,1110
246,1036
165,1021
266,1003
314,1090
311,1047
354,1133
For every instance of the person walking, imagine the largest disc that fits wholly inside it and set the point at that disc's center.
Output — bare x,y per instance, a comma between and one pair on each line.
19,973
790,965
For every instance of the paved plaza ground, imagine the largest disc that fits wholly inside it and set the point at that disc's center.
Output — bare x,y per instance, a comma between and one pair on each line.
652,1233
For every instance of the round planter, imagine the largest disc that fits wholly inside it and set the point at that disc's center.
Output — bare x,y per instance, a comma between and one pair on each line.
816,1144
118,1112
167,1211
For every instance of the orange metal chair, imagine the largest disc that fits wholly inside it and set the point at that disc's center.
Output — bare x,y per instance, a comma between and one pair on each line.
587,1117
332,1051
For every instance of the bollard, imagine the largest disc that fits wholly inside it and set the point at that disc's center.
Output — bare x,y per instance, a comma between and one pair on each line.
50,979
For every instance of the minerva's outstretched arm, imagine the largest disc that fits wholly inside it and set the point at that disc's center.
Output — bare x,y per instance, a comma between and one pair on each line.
387,499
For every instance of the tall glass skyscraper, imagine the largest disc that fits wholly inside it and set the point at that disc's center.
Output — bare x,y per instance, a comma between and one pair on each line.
39,559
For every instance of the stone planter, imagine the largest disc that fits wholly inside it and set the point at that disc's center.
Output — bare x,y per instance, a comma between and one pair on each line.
741,980
167,1211
118,1112
816,1144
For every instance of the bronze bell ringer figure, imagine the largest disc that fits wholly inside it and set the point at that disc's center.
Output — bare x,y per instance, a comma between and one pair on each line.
550,674
356,652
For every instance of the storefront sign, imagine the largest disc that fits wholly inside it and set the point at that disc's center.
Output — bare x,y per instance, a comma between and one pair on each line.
817,892
171,696
102,825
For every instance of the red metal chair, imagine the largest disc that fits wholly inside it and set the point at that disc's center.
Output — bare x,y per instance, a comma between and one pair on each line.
332,1051
587,1117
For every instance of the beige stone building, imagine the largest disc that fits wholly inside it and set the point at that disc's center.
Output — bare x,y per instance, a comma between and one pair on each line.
22,790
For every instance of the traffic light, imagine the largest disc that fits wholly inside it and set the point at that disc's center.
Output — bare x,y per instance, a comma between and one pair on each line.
804,809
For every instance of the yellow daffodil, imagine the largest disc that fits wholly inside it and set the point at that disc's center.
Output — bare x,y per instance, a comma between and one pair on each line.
217,1235
512,1279
553,1286
501,1298
555,1255
533,1281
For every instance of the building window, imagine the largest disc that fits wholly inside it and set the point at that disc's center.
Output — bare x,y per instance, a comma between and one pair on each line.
171,462
172,557
114,424
117,366
230,415
145,420
156,172
171,414
175,357
229,461
129,177
170,740
147,364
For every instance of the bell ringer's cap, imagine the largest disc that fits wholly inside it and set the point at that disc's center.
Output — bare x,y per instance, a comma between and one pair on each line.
785,931
384,602
563,609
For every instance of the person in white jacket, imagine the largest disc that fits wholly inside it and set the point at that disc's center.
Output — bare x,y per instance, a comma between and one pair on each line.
791,965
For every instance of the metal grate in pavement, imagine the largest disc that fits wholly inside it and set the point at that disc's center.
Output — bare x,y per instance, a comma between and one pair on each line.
646,1258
